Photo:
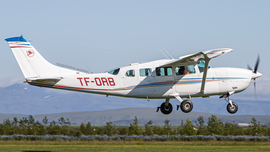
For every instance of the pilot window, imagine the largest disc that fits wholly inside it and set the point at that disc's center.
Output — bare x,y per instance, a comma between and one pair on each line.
145,72
130,73
182,70
166,71
115,71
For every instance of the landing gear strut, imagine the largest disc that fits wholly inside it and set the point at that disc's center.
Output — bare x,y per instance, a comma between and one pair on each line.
232,107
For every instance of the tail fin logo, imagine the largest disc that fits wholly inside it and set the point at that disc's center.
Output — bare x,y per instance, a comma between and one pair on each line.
30,53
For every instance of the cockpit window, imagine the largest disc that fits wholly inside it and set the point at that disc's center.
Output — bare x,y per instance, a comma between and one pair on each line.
201,65
145,72
182,70
115,71
130,73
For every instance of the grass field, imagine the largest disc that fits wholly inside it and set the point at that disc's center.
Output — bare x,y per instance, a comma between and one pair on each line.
39,146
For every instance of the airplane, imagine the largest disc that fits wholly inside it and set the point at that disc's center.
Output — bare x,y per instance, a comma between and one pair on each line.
187,77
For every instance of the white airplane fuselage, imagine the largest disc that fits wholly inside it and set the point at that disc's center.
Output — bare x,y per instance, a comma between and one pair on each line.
218,81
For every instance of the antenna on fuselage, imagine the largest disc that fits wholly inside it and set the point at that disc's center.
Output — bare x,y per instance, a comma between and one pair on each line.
168,53
89,69
163,53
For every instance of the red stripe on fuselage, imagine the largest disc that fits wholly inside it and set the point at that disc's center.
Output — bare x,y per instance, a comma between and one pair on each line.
76,88
20,47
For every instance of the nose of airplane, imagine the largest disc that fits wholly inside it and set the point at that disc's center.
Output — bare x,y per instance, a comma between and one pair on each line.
256,75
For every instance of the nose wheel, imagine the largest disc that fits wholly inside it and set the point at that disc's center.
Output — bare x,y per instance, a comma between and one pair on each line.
232,108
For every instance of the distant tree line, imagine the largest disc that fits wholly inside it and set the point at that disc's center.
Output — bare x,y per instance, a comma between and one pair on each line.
28,126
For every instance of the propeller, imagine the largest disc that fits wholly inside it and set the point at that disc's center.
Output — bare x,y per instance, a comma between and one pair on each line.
257,64
249,67
254,74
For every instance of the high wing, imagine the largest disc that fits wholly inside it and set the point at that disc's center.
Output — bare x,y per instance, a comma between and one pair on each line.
193,58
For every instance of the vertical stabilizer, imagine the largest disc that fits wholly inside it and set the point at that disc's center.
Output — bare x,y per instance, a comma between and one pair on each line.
32,64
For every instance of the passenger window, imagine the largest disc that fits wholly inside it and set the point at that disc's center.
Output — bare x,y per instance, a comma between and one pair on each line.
130,73
145,72
166,71
182,70
115,71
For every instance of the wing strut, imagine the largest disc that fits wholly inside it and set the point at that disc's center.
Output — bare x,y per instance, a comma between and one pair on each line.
206,59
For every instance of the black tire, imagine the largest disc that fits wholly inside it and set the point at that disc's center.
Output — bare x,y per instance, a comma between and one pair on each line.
186,106
166,109
232,110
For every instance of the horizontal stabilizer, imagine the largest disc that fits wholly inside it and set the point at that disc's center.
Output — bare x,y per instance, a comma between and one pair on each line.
42,79
47,81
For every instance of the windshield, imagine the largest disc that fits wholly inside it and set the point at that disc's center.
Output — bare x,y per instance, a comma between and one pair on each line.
201,65
115,71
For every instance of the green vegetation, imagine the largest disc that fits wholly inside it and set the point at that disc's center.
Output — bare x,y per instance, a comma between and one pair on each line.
28,126
123,117
130,146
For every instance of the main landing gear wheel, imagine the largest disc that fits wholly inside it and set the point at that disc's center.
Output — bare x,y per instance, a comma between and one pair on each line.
186,106
232,109
166,109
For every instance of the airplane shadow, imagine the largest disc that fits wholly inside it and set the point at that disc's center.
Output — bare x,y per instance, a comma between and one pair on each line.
153,87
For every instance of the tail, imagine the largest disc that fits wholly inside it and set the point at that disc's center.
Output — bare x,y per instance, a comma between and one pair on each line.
32,64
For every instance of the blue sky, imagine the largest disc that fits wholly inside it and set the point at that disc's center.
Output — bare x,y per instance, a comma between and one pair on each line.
102,35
